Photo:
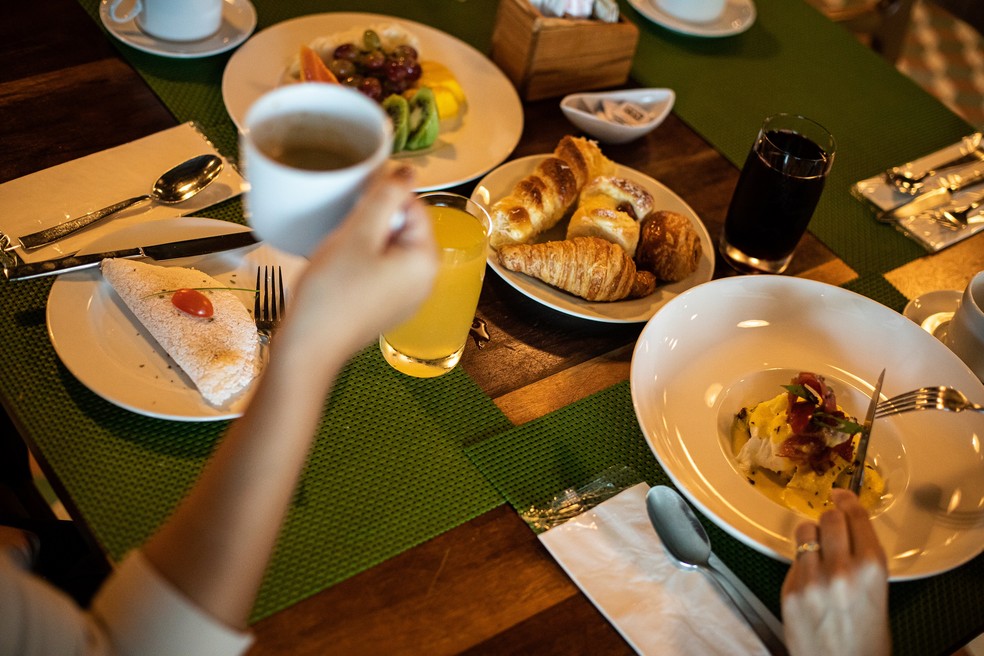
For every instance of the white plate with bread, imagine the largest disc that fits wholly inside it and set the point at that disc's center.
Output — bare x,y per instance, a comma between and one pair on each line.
502,181
109,351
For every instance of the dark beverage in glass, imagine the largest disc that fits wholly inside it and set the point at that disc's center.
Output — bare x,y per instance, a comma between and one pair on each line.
777,192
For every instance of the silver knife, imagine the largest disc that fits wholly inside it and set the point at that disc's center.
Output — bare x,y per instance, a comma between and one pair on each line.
932,198
167,251
869,419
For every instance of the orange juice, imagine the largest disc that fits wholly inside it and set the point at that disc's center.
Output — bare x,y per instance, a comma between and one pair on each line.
431,342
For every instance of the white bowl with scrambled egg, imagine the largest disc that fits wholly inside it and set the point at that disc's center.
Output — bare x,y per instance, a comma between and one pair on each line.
732,343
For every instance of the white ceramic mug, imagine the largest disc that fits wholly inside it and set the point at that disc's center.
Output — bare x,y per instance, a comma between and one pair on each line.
965,334
693,11
307,151
172,20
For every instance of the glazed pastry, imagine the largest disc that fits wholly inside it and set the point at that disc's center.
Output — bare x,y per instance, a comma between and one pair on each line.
669,246
618,193
589,267
541,199
608,208
606,223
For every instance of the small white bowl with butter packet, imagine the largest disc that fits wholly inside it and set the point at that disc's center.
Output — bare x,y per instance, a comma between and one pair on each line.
616,117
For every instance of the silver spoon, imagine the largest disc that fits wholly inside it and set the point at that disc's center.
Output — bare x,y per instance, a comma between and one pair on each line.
685,539
177,185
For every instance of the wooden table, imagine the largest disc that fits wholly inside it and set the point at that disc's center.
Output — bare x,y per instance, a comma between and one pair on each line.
486,586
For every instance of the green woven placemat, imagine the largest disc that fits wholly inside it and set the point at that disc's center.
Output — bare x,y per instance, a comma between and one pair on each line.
386,473
532,463
793,59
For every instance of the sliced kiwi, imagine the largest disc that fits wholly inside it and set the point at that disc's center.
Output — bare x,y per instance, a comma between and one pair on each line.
424,120
399,112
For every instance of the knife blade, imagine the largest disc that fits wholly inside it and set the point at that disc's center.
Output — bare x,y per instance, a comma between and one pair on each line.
862,450
932,198
165,251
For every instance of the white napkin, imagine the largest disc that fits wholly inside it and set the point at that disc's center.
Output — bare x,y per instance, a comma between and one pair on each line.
613,554
43,199
930,234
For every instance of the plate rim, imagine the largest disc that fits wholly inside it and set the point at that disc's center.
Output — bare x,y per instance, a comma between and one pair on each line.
528,162
654,14
697,498
508,116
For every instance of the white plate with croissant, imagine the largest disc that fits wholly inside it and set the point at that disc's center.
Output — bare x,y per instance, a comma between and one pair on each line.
550,250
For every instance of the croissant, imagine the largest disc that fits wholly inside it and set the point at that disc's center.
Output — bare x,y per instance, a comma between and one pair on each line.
669,247
589,267
609,208
541,199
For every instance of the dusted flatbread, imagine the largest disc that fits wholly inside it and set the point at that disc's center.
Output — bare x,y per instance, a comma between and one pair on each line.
218,353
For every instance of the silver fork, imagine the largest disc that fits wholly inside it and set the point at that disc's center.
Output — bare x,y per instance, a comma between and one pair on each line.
269,303
928,398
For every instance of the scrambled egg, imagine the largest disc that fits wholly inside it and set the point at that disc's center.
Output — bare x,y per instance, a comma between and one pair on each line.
758,434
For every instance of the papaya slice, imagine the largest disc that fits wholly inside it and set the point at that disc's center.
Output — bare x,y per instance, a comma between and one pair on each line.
313,69
398,109
424,121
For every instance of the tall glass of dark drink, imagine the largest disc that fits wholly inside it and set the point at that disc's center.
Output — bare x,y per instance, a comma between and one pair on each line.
777,191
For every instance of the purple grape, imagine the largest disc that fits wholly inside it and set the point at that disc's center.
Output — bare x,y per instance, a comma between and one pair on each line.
405,52
372,88
374,60
414,71
346,51
396,71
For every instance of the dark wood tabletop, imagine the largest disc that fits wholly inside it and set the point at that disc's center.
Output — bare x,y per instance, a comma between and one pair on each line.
486,586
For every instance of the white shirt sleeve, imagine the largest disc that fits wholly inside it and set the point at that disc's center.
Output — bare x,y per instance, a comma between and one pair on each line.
142,613
135,612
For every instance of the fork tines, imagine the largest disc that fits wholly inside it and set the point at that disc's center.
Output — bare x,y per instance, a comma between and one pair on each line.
269,303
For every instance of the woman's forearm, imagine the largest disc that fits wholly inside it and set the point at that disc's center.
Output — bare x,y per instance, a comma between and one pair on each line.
216,545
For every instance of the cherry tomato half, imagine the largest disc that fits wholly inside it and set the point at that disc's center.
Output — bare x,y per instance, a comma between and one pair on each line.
193,302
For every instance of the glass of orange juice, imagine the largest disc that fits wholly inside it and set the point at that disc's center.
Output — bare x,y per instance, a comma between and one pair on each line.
431,342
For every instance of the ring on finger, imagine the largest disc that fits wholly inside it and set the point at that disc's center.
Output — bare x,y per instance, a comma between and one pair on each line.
808,547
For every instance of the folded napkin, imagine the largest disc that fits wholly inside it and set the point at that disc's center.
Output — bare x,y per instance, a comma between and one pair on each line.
48,197
615,557
882,195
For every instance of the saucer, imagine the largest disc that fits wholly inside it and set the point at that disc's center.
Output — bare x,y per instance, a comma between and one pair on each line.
737,17
238,22
933,311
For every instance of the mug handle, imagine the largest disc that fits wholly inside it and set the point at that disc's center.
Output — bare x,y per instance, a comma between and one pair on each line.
137,7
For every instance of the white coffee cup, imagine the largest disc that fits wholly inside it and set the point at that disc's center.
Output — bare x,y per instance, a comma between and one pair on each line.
693,11
172,20
307,151
965,333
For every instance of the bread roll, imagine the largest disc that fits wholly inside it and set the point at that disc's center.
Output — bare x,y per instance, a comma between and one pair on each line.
218,353
608,208
589,267
669,247
606,223
541,199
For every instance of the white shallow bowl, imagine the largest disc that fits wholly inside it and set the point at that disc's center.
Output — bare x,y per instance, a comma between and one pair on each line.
580,108
732,342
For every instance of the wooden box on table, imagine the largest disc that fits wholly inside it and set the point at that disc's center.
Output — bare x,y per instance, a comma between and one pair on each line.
546,57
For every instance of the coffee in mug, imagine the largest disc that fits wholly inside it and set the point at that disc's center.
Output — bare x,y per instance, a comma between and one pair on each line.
307,151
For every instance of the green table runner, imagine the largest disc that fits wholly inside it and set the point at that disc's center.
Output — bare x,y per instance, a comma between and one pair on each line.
383,434
532,463
793,59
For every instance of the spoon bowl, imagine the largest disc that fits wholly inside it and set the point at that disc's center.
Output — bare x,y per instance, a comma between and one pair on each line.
175,186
